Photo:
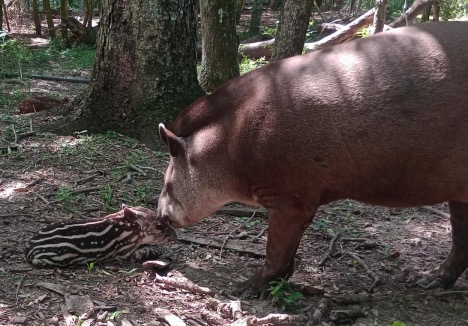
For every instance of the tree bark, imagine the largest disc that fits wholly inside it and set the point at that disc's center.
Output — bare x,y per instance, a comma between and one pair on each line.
1,13
274,5
5,12
144,71
410,15
219,43
426,13
379,15
48,14
35,17
256,17
88,13
63,19
290,37
435,11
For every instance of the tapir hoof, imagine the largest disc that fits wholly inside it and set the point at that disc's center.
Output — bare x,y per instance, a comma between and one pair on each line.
429,284
249,289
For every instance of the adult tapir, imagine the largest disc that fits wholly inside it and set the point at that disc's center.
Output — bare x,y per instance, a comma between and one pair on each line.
382,120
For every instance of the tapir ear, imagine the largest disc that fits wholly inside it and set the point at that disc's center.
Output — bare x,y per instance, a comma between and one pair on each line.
175,144
129,214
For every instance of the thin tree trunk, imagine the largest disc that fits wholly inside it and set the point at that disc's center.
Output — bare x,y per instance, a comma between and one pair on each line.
1,13
35,17
290,37
410,15
435,11
64,18
379,15
88,13
48,14
5,12
239,9
144,69
219,43
274,5
256,17
63,11
426,14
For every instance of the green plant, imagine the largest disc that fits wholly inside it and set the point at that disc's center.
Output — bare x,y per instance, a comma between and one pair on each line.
397,323
65,195
271,30
363,32
283,294
107,195
90,267
116,314
247,64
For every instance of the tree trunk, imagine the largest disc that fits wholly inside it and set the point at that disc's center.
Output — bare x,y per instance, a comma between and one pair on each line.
63,19
35,17
256,17
144,71
239,8
435,11
290,37
1,14
379,15
63,11
274,5
5,12
48,14
410,15
219,43
88,13
426,13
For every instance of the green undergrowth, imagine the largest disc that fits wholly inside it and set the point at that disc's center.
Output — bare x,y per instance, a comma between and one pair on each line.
55,58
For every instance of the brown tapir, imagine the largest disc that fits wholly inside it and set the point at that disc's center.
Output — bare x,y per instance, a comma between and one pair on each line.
382,120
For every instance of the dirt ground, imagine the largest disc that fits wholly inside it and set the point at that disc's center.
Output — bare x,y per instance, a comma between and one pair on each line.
54,178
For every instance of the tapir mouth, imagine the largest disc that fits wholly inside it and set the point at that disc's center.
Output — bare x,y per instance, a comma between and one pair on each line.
166,228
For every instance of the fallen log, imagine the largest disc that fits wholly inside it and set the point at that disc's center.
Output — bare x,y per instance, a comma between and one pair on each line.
240,246
410,15
342,35
257,50
6,74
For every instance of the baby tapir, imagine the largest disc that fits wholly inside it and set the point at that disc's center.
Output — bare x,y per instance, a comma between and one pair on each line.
382,120
116,236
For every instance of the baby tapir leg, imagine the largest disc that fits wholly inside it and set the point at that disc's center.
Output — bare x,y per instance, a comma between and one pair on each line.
285,230
457,261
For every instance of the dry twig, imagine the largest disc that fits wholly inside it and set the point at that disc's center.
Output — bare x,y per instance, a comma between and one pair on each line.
330,249
367,269
183,284
221,249
435,211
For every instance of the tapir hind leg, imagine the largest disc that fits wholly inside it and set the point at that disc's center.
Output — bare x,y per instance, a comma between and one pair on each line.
457,261
285,230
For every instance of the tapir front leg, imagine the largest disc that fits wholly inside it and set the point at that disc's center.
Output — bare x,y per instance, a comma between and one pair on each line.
285,230
457,261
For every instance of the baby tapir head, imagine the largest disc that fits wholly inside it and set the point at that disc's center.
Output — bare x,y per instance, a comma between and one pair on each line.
152,230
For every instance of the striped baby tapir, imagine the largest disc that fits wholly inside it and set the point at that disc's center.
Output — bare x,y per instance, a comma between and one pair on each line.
124,235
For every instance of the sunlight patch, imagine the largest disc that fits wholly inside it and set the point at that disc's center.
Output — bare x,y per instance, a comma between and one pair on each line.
9,189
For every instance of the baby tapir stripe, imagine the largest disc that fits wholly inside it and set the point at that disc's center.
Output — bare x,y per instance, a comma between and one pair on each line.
116,236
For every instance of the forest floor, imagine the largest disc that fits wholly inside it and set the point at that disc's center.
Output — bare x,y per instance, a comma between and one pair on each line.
38,184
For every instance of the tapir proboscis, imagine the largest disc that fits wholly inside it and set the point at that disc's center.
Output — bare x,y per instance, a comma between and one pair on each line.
382,120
